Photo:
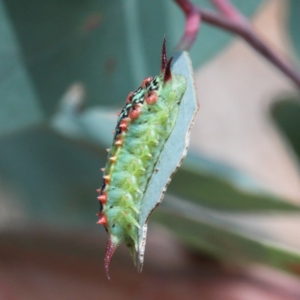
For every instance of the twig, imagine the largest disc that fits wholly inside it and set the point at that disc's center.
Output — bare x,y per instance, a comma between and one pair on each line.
229,11
232,20
192,24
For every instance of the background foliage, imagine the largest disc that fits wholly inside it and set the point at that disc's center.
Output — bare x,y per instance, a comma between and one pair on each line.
51,151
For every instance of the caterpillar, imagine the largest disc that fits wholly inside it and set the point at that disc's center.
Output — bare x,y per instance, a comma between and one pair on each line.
143,127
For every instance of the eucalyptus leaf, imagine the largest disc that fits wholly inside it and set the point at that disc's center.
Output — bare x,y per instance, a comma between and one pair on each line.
286,114
174,151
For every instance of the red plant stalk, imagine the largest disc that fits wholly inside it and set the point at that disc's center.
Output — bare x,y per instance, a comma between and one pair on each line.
192,24
230,19
228,10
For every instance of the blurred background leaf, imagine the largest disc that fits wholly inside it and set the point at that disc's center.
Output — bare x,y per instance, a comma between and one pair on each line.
230,236
294,23
107,48
19,105
286,114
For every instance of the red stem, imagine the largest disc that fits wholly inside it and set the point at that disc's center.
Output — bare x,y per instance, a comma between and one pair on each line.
228,10
192,24
232,20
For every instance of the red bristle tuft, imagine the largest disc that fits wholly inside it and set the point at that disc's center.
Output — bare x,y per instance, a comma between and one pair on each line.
164,59
110,249
168,73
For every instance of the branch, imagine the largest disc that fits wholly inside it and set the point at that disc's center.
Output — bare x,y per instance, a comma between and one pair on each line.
233,21
192,24
228,10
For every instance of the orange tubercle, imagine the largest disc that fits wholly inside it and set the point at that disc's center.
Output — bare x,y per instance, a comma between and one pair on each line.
118,142
123,125
129,97
113,158
102,198
151,98
106,179
102,220
135,112
146,81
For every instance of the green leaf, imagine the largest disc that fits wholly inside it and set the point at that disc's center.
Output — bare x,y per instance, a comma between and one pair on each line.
54,180
286,113
108,46
19,106
173,152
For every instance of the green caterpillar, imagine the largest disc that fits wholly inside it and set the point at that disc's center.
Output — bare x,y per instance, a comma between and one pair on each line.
143,127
